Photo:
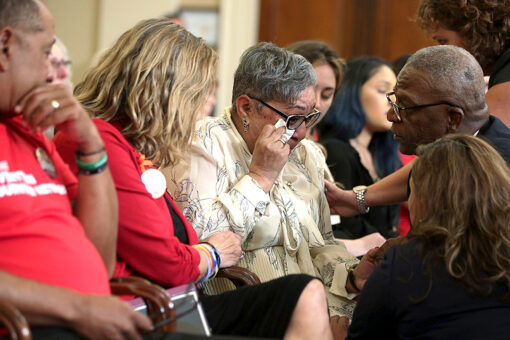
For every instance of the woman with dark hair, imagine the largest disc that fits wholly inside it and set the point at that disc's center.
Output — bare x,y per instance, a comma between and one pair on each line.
451,280
360,145
483,28
328,67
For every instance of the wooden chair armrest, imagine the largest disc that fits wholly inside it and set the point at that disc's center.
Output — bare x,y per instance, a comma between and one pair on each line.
15,323
239,276
159,303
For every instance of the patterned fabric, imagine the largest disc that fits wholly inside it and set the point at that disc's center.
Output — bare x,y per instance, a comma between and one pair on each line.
284,232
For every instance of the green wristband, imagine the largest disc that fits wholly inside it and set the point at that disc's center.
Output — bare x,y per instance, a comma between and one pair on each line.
91,166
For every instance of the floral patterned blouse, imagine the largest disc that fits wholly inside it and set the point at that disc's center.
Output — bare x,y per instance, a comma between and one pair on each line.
285,231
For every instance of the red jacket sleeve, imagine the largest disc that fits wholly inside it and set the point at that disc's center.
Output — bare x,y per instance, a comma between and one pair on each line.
146,244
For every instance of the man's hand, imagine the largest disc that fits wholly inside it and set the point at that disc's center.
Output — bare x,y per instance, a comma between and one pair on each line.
269,156
341,202
54,105
228,244
108,317
379,256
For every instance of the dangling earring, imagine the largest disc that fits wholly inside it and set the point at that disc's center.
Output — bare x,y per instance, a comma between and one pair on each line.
245,125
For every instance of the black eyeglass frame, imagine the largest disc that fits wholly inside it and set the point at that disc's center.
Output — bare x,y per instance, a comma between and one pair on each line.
309,119
397,108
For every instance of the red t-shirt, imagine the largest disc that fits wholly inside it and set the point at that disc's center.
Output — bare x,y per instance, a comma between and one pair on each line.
147,245
40,239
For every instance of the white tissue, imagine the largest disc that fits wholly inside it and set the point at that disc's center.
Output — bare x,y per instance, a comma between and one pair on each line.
287,133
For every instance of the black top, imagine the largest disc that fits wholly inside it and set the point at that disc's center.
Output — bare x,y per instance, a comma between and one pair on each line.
496,133
501,71
179,228
345,165
388,308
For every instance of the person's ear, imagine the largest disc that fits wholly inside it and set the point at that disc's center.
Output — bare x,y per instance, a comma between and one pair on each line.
455,118
244,106
6,43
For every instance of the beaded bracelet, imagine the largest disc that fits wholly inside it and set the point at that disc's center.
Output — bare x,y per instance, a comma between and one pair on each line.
92,168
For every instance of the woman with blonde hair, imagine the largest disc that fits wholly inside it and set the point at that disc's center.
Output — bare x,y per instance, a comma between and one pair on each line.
146,92
451,280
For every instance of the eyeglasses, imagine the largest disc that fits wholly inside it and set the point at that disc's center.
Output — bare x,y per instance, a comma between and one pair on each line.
294,121
396,108
57,63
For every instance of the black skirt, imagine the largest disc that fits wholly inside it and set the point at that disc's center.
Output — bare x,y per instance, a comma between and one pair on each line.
262,311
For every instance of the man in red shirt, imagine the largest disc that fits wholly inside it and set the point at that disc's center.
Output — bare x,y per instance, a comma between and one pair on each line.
55,260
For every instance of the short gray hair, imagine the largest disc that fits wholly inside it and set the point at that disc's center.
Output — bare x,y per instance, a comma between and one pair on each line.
63,47
20,14
454,72
269,72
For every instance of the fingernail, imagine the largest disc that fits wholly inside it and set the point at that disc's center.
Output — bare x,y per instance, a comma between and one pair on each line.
17,109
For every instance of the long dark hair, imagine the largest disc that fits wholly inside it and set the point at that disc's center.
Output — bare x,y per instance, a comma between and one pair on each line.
346,116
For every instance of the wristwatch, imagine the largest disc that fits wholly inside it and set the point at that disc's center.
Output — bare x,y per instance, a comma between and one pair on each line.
359,191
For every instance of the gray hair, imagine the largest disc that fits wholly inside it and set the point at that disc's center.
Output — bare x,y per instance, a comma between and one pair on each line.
20,14
269,72
455,74
63,47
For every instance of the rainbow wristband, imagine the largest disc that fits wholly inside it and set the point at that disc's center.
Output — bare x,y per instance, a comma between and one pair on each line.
216,253
213,255
210,267
206,276
216,272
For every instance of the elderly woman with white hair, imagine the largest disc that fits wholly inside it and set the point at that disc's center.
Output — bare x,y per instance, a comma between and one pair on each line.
266,183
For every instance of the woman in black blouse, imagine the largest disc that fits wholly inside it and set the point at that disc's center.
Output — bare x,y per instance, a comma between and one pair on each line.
359,143
451,280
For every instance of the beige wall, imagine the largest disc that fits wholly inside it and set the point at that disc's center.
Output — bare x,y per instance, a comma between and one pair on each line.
89,26
76,25
117,16
238,31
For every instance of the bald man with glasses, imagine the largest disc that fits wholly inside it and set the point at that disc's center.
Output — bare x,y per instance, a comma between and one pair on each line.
439,91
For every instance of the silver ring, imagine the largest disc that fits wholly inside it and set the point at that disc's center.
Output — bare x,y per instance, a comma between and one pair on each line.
283,140
55,104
